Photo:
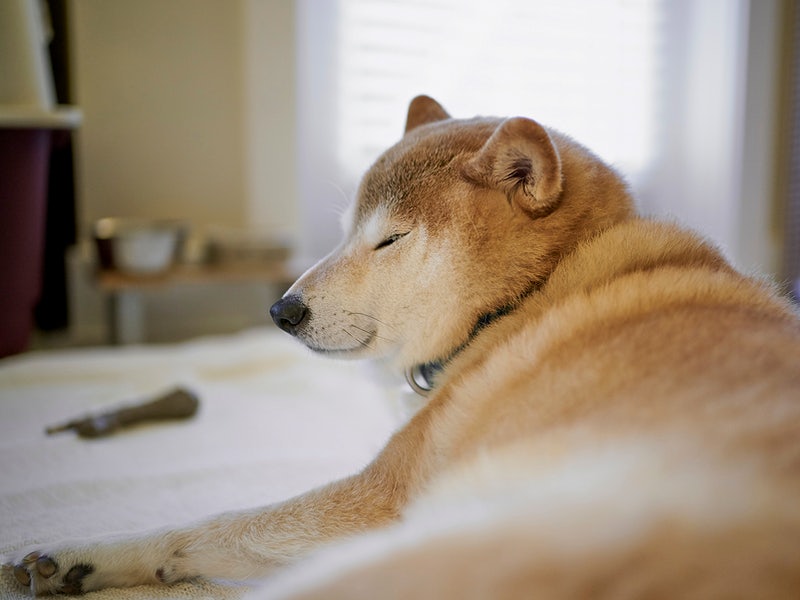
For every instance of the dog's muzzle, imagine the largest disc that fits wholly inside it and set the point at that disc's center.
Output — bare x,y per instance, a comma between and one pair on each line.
289,313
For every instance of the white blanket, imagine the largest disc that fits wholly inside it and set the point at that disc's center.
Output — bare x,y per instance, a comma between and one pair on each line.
274,421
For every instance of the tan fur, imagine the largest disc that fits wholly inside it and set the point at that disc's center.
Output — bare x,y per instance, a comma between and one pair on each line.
627,426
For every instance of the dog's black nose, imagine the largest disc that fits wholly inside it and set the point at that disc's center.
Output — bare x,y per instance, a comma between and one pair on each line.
288,313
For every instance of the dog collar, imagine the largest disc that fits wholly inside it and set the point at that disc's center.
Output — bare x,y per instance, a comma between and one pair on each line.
422,378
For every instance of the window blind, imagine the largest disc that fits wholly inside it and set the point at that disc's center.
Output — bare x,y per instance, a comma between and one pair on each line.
591,69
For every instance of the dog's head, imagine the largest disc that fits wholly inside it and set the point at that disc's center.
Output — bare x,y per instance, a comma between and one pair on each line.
458,220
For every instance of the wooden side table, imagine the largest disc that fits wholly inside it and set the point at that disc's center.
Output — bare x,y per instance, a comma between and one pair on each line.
125,312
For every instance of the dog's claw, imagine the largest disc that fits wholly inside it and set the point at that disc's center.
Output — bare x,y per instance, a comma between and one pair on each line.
33,566
46,566
22,576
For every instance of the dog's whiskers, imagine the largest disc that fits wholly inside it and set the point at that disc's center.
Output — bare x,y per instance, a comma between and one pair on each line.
361,342
376,319
342,203
372,334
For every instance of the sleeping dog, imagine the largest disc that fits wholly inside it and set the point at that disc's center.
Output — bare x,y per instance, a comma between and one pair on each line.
612,410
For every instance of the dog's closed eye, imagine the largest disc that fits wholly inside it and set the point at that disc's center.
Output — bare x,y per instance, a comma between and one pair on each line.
390,240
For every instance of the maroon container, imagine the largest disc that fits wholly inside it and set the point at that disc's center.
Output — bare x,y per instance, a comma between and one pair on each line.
24,156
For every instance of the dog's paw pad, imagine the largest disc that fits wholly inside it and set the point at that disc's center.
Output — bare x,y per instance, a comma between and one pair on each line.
44,566
73,580
41,574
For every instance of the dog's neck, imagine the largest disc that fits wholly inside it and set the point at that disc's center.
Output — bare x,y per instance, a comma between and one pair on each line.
422,377
657,244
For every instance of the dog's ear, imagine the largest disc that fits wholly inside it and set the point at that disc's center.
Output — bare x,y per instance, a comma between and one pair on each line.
422,110
520,160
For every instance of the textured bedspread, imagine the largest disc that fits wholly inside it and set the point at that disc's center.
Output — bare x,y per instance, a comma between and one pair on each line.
274,421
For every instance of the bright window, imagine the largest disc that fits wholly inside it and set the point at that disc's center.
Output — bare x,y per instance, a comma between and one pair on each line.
588,68
661,89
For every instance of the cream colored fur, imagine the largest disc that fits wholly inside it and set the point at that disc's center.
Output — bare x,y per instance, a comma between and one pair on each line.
617,413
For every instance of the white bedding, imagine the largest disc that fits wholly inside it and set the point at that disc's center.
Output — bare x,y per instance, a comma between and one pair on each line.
274,421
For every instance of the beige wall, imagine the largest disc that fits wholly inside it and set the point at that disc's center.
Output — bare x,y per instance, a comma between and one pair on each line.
271,116
189,110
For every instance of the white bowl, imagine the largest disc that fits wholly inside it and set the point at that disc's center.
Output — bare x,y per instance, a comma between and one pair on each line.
140,246
146,251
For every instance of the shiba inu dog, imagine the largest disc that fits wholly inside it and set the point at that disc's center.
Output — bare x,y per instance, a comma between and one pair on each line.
612,410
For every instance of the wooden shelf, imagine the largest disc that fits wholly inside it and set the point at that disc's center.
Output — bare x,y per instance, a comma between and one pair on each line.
276,273
125,291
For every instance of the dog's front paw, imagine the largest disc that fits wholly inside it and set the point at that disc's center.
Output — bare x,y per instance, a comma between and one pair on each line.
79,567
50,573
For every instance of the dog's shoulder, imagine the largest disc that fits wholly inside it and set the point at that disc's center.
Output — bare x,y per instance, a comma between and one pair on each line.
655,264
